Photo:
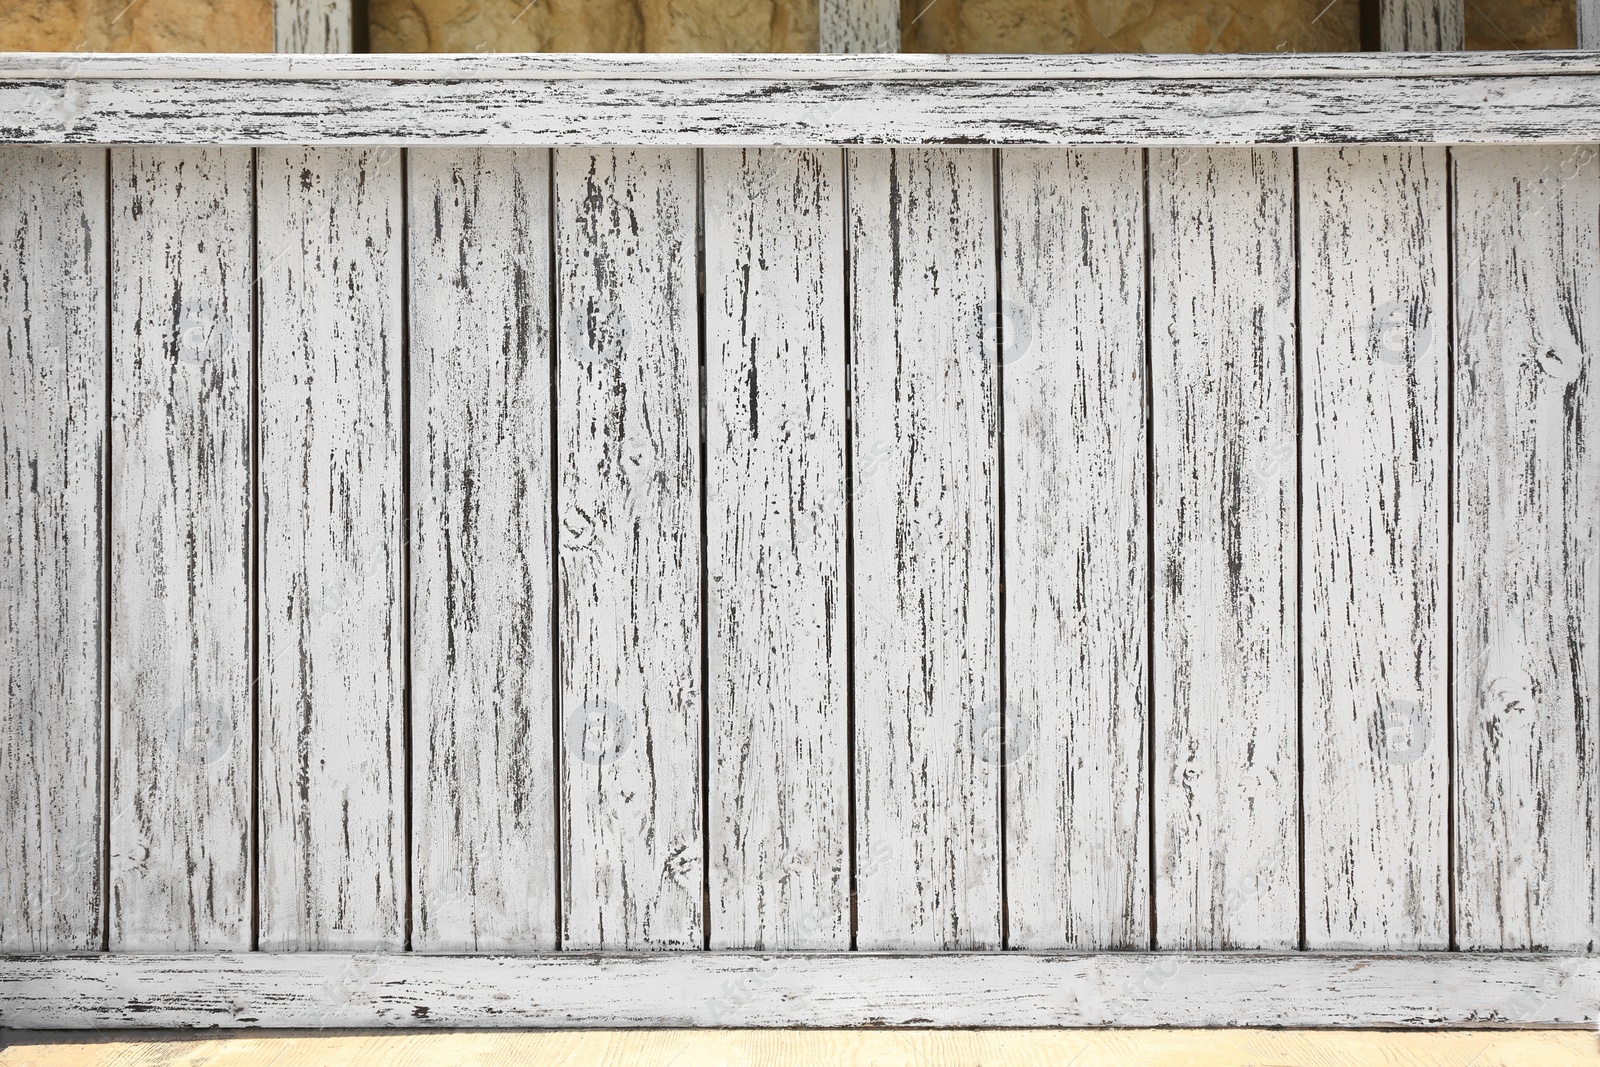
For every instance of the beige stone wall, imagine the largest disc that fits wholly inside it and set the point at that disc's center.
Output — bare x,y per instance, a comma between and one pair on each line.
1130,26
593,25
931,25
139,26
761,25
1495,24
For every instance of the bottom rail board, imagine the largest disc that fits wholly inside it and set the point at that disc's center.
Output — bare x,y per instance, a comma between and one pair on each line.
804,990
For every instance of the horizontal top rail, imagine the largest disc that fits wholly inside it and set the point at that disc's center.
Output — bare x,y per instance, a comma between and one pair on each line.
1488,97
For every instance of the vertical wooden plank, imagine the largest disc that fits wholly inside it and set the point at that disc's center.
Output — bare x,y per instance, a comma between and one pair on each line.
628,437
1222,361
1589,24
1422,25
927,657
483,765
778,802
314,26
1073,345
332,849
181,710
1527,547
1374,324
53,451
859,25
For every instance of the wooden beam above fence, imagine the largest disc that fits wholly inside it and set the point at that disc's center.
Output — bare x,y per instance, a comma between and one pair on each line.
797,100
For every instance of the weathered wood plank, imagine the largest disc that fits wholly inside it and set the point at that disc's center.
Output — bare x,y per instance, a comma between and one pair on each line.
332,848
182,324
1374,527
1422,25
1527,548
52,483
1589,24
800,100
314,25
859,25
729,989
1072,336
627,419
482,662
1222,360
779,802
926,473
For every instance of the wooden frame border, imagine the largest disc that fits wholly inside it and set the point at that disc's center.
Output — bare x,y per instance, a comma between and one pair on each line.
1483,97
800,989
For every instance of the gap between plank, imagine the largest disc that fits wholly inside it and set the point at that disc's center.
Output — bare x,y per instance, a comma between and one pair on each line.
1299,552
1150,554
848,274
1000,539
105,581
405,522
555,542
705,641
255,551
1449,543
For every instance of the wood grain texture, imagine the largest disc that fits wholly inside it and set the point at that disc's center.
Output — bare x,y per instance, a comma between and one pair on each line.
801,989
627,417
313,25
779,800
1072,335
1223,364
802,100
52,487
332,848
926,487
482,663
1422,25
859,25
1374,309
182,323
1527,548
1588,24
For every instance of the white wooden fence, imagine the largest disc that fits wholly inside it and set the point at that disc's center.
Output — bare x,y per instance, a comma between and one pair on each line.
1147,572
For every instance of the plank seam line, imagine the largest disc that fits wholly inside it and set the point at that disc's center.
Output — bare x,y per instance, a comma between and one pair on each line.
1449,545
705,640
105,567
1299,551
1000,542
406,739
1150,551
555,547
848,272
254,401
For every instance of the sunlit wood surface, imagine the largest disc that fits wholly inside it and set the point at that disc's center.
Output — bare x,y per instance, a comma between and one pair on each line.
845,1048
